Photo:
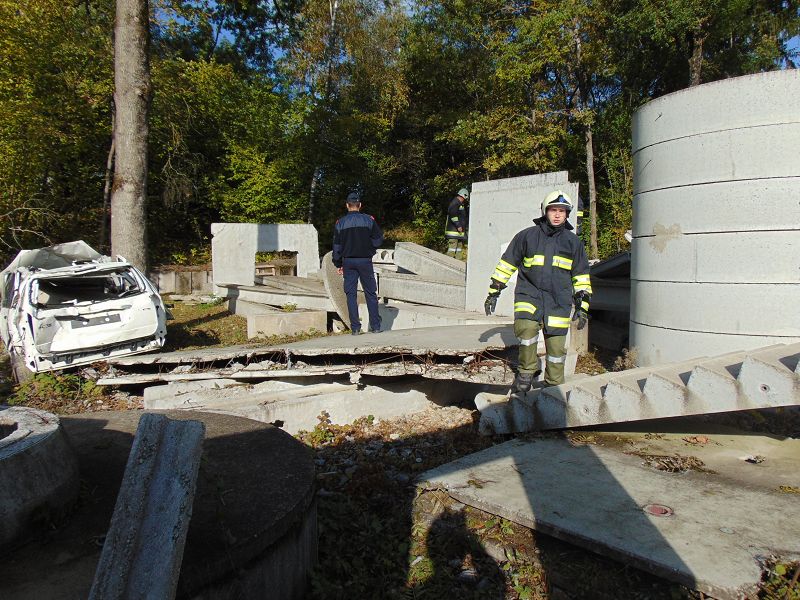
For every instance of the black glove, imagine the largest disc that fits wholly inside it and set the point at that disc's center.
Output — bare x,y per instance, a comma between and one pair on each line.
581,316
491,302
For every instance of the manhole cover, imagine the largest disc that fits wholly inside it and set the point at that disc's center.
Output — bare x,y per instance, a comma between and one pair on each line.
658,510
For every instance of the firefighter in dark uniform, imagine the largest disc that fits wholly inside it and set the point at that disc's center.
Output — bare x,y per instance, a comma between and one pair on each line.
552,274
455,230
355,238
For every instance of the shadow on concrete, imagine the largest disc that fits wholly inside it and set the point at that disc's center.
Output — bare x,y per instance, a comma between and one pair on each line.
506,334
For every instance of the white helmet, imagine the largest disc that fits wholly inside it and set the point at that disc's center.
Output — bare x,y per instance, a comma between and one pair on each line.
556,198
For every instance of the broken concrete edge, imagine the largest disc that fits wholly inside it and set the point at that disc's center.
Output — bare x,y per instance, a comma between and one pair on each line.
144,546
498,376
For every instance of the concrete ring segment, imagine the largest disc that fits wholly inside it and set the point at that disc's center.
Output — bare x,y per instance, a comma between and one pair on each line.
253,524
716,219
750,101
38,472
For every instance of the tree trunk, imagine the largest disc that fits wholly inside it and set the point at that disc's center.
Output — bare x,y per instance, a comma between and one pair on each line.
312,194
132,99
592,194
104,245
696,61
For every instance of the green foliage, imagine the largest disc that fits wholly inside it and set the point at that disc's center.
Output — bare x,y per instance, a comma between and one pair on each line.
781,581
57,393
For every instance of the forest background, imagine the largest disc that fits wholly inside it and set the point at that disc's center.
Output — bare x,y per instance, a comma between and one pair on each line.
274,111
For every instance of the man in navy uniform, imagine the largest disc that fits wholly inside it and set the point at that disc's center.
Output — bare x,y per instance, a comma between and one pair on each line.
355,238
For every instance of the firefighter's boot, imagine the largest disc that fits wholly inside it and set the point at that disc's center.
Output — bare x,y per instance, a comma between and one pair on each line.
522,383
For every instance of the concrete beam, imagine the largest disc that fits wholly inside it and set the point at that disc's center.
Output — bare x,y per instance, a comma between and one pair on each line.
762,378
429,264
287,323
272,297
143,550
412,288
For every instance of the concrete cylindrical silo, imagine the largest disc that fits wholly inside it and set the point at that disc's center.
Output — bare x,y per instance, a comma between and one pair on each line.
716,219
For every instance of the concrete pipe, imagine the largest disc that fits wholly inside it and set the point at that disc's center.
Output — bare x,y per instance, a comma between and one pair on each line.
716,219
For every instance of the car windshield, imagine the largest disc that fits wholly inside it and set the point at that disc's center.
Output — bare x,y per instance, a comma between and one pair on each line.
89,287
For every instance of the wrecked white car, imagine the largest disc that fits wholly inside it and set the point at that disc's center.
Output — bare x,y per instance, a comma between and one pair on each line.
68,305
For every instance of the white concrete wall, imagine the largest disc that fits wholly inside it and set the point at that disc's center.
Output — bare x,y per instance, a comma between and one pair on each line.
716,223
234,247
497,211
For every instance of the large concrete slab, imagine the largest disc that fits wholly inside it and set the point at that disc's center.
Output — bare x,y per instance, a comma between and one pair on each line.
498,210
749,101
143,549
406,315
234,247
429,264
722,525
413,288
297,405
334,287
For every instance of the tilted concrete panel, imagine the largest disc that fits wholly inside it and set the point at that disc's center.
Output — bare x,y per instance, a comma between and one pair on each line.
411,288
751,256
750,101
498,210
716,183
730,155
754,205
428,263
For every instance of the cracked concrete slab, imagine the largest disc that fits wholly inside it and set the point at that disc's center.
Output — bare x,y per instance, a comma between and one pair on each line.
717,528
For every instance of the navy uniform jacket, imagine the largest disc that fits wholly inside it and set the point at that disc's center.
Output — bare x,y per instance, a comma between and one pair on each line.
552,266
355,235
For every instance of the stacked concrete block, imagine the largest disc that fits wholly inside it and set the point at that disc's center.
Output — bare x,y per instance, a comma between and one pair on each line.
716,222
429,264
421,290
234,247
143,550
764,378
498,210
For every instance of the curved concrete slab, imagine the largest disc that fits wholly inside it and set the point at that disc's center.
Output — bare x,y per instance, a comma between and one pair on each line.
748,101
721,160
754,257
753,309
754,205
253,523
38,471
730,155
656,345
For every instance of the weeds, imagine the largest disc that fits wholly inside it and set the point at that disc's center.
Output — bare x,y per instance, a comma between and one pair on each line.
781,581
60,394
626,360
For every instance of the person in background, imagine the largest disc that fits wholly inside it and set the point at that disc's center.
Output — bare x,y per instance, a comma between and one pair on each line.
552,274
456,228
355,238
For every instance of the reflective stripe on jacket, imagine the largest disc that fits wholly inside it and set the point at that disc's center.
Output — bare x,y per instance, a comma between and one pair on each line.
456,217
551,266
